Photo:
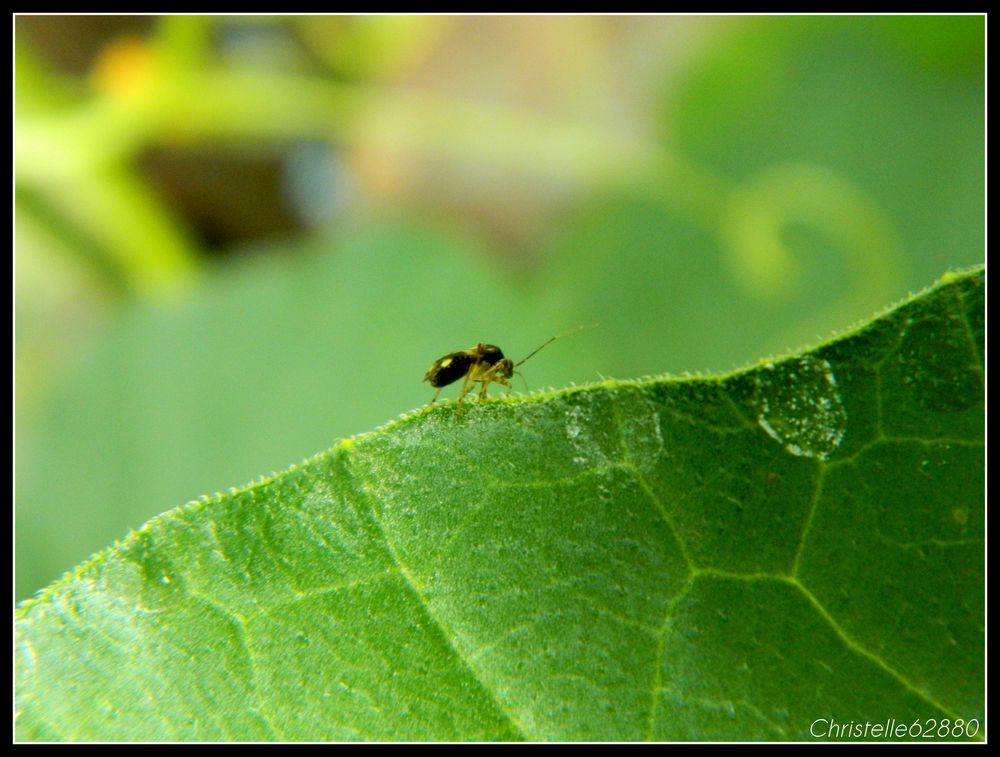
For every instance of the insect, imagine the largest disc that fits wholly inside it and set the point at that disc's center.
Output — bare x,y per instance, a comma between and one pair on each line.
483,364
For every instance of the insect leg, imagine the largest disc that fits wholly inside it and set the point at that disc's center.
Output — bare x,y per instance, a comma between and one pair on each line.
466,388
484,385
488,377
496,380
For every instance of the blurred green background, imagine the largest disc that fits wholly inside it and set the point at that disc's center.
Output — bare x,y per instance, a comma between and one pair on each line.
239,239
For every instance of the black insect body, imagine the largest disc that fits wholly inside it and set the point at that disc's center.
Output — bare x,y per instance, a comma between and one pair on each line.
483,364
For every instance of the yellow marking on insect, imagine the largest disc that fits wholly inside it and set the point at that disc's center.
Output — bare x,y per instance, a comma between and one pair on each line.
484,364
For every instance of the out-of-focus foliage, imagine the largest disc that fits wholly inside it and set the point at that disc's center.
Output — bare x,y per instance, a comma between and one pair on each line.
238,239
703,559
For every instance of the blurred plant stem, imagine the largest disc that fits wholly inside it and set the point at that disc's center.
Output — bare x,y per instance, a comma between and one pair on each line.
80,157
170,93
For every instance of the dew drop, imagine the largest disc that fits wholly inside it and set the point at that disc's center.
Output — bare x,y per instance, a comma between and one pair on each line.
800,407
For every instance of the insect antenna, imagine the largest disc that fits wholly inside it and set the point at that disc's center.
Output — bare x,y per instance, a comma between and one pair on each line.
550,341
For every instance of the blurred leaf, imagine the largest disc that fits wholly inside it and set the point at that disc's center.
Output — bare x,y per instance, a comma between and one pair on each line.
38,89
373,46
262,363
829,92
714,558
951,43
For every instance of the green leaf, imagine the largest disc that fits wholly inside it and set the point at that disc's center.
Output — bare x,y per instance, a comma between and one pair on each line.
732,557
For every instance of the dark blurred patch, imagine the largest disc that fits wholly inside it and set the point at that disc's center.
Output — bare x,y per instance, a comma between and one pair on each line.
71,43
223,197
